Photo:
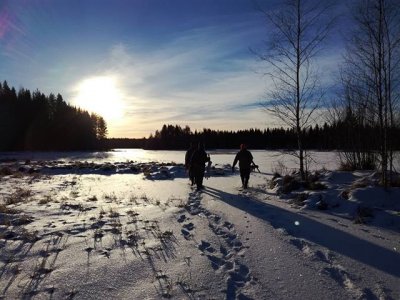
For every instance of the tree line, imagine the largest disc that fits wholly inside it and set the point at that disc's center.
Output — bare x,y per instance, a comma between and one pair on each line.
34,121
336,136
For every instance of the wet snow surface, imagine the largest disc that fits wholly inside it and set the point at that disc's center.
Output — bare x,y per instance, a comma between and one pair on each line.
127,225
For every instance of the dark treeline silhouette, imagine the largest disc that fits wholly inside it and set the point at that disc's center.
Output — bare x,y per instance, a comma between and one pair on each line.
338,136
34,121
114,143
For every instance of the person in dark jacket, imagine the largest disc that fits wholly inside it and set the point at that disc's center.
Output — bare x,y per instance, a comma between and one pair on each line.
197,163
245,159
188,157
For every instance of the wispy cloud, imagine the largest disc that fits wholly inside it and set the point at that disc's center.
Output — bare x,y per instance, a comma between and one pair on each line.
196,79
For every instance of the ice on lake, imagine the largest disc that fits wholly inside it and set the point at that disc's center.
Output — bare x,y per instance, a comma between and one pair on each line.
267,160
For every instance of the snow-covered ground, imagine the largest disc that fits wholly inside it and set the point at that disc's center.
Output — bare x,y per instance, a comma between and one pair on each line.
127,225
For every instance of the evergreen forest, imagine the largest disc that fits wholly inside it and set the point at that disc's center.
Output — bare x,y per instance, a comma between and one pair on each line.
341,135
34,121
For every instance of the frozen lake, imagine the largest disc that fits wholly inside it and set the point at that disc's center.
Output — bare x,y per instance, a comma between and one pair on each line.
267,160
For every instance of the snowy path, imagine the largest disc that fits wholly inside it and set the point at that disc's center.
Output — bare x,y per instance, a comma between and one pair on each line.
307,254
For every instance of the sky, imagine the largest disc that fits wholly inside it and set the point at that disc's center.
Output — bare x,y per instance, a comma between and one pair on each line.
145,63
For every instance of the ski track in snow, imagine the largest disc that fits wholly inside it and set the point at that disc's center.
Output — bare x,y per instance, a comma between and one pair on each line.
224,257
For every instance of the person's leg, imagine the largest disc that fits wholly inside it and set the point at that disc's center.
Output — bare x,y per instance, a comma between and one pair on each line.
246,175
191,175
242,176
201,177
195,175
198,177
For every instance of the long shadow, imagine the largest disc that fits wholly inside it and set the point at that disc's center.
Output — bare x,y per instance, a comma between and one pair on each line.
18,256
332,238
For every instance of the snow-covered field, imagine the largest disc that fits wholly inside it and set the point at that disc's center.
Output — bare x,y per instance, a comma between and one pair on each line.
126,224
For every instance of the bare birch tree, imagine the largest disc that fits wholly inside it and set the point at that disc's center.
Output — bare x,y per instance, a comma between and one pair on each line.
299,28
373,69
351,113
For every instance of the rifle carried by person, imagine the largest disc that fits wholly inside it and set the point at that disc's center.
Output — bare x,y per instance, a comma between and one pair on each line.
208,168
255,167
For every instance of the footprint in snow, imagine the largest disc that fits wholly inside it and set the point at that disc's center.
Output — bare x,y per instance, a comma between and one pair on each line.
239,280
339,275
322,256
185,233
302,245
223,251
237,245
228,225
181,218
189,226
217,218
206,246
241,274
216,262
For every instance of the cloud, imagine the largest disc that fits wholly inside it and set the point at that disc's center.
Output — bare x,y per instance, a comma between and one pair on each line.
197,78
188,66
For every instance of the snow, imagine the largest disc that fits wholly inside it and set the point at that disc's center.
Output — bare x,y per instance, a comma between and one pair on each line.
126,224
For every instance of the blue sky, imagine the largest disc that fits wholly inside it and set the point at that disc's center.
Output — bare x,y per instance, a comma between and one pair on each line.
181,62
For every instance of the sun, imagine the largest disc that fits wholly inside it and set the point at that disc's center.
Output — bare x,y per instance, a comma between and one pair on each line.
100,95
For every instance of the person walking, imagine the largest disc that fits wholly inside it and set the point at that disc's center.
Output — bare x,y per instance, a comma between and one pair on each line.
197,162
245,159
188,157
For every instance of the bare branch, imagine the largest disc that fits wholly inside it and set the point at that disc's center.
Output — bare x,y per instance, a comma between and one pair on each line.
300,27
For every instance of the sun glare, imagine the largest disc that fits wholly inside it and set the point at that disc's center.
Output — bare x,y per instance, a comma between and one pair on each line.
100,95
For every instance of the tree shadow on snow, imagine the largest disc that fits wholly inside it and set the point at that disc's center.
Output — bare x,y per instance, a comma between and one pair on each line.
303,227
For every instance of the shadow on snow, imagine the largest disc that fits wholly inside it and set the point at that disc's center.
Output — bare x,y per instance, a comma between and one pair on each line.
332,238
